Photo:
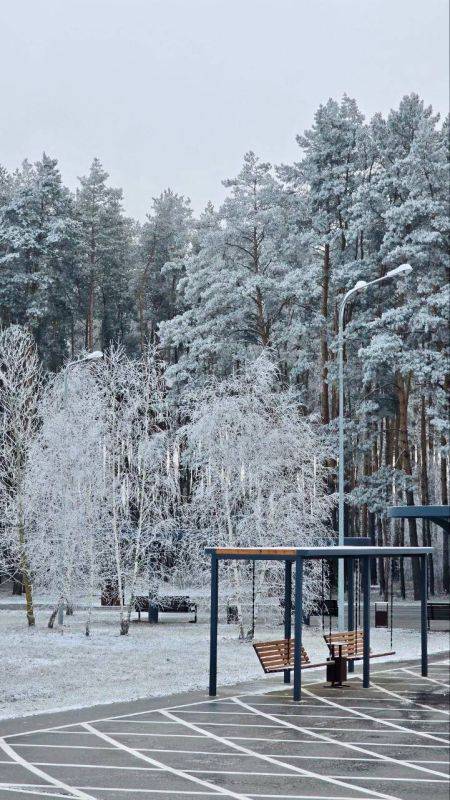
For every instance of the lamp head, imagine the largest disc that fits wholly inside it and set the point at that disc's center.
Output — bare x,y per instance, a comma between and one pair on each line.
403,269
359,285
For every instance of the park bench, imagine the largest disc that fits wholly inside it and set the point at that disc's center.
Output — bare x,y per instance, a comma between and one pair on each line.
278,656
164,605
437,611
346,646
352,645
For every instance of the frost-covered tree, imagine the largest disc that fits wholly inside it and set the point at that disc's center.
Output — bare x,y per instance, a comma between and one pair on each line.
403,211
164,243
105,250
324,182
257,471
64,492
20,386
140,470
237,290
38,240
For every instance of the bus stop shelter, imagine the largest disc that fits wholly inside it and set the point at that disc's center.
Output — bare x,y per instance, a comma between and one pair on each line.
294,558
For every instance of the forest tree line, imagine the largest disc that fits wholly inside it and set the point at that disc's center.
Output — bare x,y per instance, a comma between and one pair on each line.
267,271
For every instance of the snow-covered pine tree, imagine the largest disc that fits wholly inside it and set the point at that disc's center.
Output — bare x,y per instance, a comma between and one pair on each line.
163,246
237,291
106,238
38,241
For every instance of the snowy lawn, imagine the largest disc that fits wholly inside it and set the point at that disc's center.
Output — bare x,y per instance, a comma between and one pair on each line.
43,670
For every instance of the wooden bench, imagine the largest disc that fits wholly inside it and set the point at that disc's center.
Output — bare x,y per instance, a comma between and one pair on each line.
351,644
164,605
437,611
278,656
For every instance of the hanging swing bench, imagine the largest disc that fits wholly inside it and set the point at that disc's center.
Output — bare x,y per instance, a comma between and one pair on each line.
344,646
278,656
350,644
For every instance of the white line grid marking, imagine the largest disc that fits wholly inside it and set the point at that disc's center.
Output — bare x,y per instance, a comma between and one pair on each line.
179,773
355,748
426,678
186,708
271,760
381,721
18,759
408,699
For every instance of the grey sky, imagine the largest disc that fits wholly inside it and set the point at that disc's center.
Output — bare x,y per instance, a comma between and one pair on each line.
173,92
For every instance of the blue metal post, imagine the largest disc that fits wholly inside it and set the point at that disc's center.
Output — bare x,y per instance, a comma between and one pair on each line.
213,625
298,628
366,621
423,613
287,610
350,603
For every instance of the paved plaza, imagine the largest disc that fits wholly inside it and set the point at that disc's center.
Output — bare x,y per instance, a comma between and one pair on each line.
389,741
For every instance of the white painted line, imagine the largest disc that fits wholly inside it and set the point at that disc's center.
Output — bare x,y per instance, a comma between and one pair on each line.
64,746
177,772
16,787
336,777
219,754
210,794
399,707
284,755
306,797
408,699
398,780
95,766
355,748
314,741
426,678
276,761
161,791
432,734
392,725
36,771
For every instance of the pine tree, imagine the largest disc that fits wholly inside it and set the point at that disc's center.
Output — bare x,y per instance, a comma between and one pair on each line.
236,291
37,257
164,243
105,251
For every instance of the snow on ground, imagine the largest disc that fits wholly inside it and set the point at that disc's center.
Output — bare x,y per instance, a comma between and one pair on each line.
44,670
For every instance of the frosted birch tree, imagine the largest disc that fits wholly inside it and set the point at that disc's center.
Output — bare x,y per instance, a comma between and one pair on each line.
20,387
140,469
258,474
63,491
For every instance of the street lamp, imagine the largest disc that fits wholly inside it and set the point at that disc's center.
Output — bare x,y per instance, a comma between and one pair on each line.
403,269
94,356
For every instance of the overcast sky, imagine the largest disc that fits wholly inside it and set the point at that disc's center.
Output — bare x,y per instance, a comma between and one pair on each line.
173,92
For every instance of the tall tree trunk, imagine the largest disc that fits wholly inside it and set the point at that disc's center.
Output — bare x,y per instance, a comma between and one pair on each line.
325,401
403,389
90,318
26,576
424,489
445,546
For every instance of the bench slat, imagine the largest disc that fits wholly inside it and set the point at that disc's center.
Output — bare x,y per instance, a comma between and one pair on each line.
352,645
278,655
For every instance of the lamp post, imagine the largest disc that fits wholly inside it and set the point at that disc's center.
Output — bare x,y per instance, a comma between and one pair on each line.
403,269
94,356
